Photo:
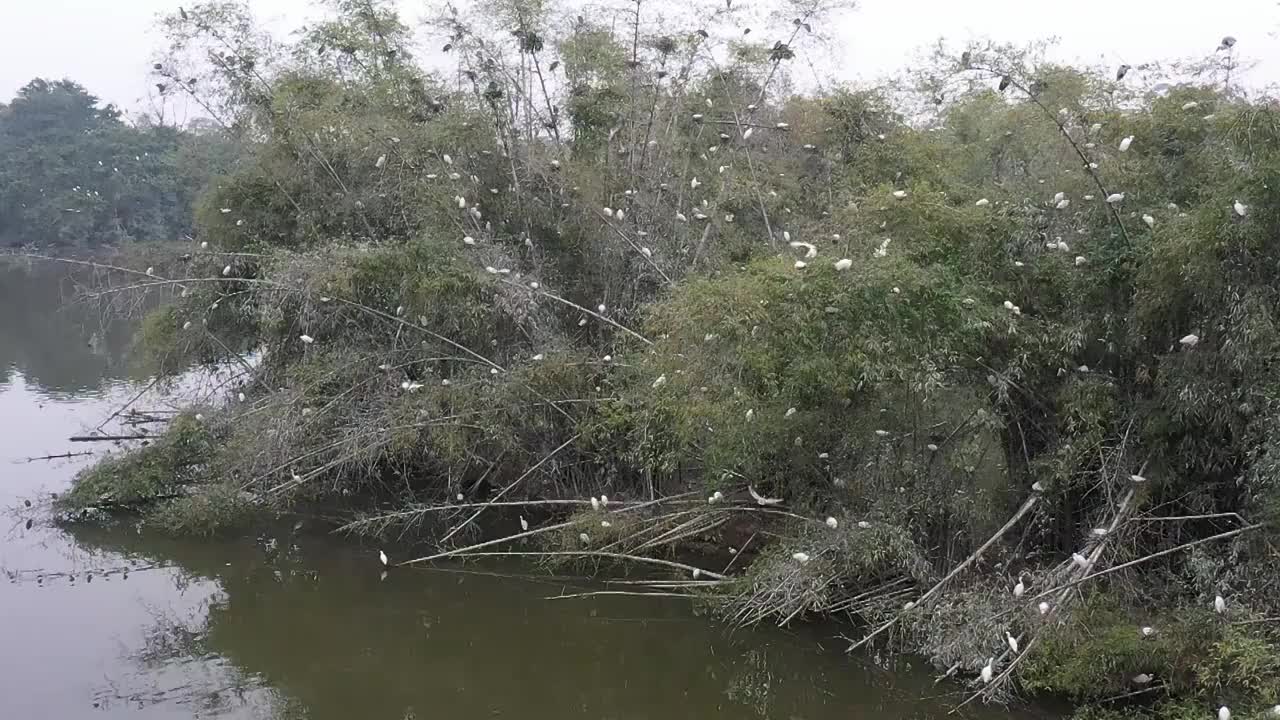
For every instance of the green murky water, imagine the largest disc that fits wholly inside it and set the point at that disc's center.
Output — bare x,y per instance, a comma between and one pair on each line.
295,623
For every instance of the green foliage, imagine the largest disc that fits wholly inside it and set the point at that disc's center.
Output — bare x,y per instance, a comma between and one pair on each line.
75,175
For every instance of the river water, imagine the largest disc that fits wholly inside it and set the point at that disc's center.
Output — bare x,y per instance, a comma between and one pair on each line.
296,623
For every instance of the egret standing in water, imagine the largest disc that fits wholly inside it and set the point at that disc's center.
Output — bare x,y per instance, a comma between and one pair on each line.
383,557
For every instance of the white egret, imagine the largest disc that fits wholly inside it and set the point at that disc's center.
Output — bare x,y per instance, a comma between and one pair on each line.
1189,341
983,202
1080,560
1150,221
447,160
931,447
226,271
595,503
1020,589
382,160
762,500
524,524
899,194
1240,208
604,501
606,524
1114,198
843,264
800,265
662,380
1125,143
751,414
1142,679
1013,641
1148,631
585,538
1190,105
383,557
864,524
987,670
833,523
680,216
1224,713
1044,608
747,133
608,212
306,339
1219,604
204,245
800,557
1063,204
1081,260
468,240
240,397
186,325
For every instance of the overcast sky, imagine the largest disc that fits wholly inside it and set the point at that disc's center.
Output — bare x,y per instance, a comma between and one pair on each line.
106,45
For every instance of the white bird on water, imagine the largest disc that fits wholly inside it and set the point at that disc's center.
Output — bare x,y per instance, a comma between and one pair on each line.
987,670
383,557
762,500
1219,604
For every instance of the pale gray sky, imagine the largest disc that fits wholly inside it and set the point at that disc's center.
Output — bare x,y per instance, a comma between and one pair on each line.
107,44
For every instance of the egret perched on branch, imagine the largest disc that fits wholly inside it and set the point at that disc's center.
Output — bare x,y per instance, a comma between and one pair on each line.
762,500
1013,641
1080,560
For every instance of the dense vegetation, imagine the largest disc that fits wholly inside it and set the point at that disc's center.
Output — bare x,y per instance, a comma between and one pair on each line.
74,175
992,353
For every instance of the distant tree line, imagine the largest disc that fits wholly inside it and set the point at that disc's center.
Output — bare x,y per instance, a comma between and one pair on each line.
75,174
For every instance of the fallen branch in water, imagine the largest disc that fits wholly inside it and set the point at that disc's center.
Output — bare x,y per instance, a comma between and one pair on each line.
1022,511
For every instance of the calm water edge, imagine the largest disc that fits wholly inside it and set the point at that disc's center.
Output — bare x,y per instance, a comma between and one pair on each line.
296,623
